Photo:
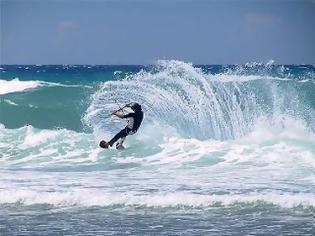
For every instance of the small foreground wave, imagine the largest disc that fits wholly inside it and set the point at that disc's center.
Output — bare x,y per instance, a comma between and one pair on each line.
94,197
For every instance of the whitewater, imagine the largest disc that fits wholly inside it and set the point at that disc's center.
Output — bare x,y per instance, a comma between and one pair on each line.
223,150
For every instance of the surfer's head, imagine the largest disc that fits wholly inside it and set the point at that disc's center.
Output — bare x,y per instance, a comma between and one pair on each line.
135,107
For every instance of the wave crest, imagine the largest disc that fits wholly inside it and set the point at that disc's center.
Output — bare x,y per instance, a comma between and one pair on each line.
16,85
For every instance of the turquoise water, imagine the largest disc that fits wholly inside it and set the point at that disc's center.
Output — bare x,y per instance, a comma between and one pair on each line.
222,150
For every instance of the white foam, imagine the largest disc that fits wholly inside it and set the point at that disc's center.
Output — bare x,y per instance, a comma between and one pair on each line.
32,106
177,151
279,128
35,138
117,72
16,85
10,102
94,197
260,64
304,81
241,78
52,84
197,103
94,155
93,113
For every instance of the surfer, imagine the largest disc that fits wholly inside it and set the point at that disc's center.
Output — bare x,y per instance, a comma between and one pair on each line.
134,120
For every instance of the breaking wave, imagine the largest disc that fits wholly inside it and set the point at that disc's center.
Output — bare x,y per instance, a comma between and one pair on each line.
199,104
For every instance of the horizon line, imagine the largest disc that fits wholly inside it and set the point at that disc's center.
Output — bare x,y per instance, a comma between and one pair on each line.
243,64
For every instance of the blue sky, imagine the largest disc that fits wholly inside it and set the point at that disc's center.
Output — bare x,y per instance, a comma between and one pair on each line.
141,32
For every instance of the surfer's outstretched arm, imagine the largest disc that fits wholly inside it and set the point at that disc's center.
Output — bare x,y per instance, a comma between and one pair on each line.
116,113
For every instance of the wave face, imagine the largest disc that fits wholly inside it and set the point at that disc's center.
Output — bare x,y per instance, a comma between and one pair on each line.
222,149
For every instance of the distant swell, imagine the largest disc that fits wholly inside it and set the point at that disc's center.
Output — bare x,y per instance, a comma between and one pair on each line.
16,85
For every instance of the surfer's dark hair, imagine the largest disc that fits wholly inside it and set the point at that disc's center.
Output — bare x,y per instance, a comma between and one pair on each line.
136,107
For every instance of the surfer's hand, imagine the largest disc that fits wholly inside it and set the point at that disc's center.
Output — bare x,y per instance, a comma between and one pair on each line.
117,114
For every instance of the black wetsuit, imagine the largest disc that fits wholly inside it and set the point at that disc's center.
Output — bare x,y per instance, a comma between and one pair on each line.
134,123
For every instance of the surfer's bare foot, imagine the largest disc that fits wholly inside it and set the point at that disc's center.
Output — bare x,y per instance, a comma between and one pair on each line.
104,144
119,146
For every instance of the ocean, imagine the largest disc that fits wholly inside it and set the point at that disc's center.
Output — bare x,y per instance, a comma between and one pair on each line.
223,150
